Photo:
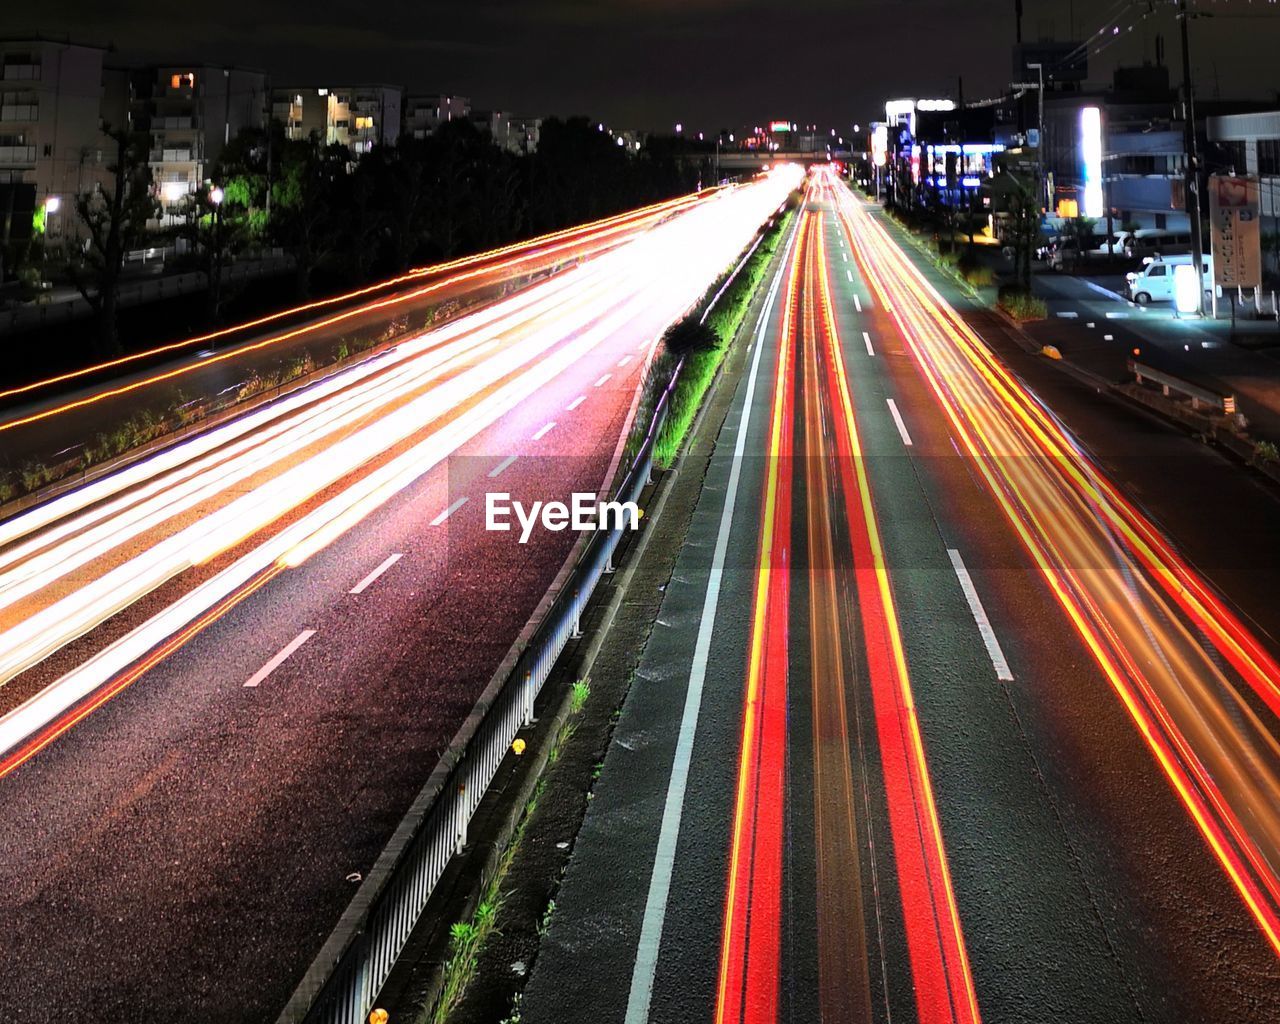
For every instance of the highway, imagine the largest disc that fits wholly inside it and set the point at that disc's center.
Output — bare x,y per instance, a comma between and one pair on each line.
54,419
228,668
956,732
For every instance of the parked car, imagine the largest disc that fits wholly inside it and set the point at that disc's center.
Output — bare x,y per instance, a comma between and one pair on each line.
1066,251
1154,282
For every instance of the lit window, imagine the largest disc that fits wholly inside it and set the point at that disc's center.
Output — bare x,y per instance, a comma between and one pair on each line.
364,123
180,81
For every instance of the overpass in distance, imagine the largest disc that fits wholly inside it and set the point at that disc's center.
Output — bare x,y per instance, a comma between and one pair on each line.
738,160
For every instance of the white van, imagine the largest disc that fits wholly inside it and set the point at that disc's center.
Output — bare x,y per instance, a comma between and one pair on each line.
1154,282
1157,242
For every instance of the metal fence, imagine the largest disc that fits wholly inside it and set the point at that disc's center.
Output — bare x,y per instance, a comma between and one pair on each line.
352,967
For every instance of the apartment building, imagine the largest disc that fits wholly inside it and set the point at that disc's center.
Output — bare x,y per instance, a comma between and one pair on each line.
424,113
51,142
358,117
191,111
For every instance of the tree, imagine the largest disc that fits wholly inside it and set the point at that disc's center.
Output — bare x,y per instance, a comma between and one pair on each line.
216,223
305,210
1080,231
1022,206
115,221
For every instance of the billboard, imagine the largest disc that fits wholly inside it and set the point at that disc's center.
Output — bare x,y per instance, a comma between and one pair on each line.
1235,231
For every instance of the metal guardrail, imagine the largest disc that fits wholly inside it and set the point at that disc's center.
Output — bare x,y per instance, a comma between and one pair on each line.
347,979
1225,404
350,970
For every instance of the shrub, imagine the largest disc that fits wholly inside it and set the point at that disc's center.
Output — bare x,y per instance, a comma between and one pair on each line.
1021,304
689,335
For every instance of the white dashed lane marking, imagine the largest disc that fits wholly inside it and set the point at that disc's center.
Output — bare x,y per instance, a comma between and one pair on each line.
449,511
369,580
280,658
897,419
504,464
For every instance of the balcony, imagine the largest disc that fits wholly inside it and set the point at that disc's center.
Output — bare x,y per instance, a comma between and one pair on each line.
21,72
25,112
10,155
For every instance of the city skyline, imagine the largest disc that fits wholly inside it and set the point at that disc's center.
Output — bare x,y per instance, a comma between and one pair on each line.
710,64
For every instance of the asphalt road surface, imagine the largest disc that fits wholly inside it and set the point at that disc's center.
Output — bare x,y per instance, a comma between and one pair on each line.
228,670
935,723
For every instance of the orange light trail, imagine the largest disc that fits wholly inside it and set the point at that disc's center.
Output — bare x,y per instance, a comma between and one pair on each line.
606,227
935,939
750,952
1079,531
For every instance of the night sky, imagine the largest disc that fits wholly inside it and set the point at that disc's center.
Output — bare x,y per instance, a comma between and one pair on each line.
648,63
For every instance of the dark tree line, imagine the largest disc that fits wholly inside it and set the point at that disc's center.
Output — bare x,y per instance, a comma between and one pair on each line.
424,200
346,221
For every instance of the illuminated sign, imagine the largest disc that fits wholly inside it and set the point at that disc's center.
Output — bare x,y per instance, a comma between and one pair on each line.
880,145
1186,287
935,105
1091,160
779,126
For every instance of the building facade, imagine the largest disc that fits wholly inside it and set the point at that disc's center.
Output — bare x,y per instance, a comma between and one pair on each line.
1249,144
424,113
358,117
51,142
191,111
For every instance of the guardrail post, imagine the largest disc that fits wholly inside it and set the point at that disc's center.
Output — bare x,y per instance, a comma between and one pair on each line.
461,811
527,716
576,632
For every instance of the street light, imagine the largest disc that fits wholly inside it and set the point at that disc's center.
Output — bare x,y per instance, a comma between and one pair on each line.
52,204
216,195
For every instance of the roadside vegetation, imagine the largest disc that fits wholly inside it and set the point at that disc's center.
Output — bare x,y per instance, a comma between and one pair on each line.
702,339
175,410
467,938
1021,305
348,220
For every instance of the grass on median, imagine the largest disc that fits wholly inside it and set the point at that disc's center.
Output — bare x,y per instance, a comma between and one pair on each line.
467,938
704,344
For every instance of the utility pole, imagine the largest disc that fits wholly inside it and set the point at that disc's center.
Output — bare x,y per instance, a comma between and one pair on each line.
1042,183
1192,188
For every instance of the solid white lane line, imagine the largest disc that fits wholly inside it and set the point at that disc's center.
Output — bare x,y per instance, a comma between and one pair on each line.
575,403
544,430
603,379
857,303
870,350
279,659
897,418
449,511
624,360
980,617
368,581
504,464
849,274
655,908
